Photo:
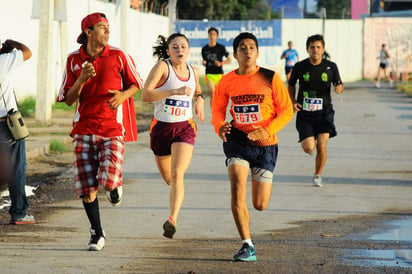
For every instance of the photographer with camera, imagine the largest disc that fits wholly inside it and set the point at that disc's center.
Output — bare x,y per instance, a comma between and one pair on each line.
12,55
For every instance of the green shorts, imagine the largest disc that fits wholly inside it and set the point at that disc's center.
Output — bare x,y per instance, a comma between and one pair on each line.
215,78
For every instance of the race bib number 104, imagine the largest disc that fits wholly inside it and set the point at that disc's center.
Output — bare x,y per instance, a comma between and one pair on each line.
247,114
176,107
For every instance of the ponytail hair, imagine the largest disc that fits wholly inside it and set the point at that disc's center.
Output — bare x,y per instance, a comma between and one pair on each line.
162,44
159,49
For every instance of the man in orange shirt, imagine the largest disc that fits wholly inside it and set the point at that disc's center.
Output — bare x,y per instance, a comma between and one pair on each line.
260,107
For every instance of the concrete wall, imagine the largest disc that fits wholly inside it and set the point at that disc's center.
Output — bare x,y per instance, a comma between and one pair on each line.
352,44
343,40
396,33
17,23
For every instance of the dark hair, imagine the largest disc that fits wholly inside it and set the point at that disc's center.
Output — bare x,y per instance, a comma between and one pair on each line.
162,44
383,45
213,29
313,38
242,36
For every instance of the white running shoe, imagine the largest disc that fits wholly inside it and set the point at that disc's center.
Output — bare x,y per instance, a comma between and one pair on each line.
96,242
377,84
317,181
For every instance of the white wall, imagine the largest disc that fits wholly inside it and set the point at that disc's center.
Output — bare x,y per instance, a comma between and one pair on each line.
17,24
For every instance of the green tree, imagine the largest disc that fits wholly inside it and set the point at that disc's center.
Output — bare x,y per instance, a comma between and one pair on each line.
224,10
335,9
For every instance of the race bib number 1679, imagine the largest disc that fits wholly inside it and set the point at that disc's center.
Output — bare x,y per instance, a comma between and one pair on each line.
247,114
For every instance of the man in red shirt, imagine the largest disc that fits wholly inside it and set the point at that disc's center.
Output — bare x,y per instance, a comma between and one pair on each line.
102,80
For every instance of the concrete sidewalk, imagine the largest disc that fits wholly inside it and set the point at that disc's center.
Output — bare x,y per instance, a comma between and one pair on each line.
40,137
369,171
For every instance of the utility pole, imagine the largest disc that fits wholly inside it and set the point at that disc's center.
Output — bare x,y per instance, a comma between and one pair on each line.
323,16
305,8
124,11
172,15
45,94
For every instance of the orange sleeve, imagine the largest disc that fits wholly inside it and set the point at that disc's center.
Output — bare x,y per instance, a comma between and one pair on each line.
219,105
283,105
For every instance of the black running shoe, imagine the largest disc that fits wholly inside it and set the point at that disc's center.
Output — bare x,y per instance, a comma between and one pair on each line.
115,196
169,229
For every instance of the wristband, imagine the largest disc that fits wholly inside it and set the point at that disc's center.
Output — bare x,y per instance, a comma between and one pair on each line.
201,95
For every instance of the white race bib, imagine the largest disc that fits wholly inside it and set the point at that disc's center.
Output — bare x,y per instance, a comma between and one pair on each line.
175,107
312,104
247,114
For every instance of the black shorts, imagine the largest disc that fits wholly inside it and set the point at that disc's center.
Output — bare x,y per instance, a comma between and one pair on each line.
237,146
382,65
310,124
288,69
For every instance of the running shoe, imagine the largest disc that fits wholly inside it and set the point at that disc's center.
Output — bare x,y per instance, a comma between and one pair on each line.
169,228
115,196
377,84
246,253
317,181
28,219
96,242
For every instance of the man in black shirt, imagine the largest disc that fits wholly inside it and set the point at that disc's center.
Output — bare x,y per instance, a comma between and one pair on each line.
315,113
212,55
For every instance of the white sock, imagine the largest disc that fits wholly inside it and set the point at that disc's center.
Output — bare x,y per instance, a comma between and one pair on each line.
248,241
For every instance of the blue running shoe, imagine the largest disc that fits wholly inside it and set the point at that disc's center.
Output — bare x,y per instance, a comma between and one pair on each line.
246,253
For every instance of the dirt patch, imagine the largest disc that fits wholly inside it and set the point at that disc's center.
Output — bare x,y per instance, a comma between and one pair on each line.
315,247
43,173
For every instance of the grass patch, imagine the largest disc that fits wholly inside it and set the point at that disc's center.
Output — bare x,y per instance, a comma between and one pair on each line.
58,147
63,106
27,107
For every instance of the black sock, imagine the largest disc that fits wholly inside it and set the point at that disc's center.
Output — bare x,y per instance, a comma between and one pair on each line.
92,211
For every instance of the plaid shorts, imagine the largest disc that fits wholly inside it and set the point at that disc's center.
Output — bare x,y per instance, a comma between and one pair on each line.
98,160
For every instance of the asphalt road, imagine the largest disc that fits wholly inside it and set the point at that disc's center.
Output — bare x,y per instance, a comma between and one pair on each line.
369,171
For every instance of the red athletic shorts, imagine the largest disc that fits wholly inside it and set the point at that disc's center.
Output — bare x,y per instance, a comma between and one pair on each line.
163,135
98,160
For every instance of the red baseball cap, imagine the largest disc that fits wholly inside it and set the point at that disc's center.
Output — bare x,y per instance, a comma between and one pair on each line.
89,21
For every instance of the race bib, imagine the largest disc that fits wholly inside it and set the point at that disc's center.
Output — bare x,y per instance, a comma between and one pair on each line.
312,104
247,114
175,107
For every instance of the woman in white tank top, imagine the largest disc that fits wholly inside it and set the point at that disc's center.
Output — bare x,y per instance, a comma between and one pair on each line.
383,66
172,84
